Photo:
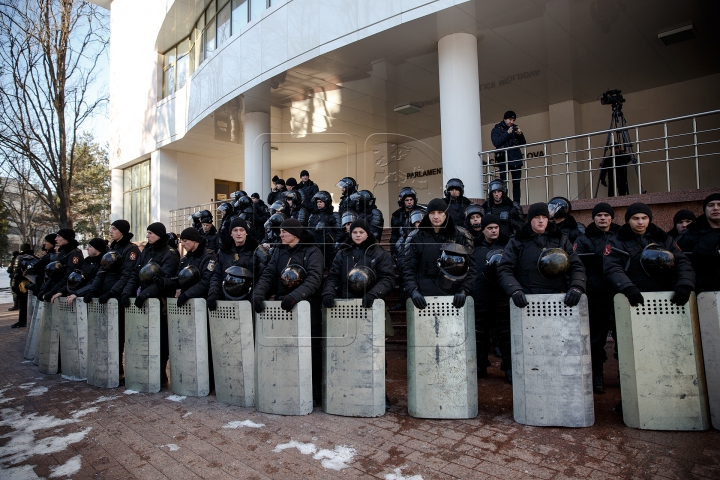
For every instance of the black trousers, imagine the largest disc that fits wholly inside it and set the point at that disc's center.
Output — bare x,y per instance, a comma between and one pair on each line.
515,168
622,182
602,321
22,300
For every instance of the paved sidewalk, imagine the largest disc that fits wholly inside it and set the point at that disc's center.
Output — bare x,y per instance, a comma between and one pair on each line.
51,427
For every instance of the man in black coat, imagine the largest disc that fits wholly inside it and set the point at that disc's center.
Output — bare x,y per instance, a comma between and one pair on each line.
296,250
168,259
590,247
498,204
278,190
619,162
308,188
47,255
423,249
681,221
20,285
400,218
295,204
97,247
560,208
212,239
324,225
347,186
492,307
365,201
69,255
622,267
507,134
242,250
702,240
456,200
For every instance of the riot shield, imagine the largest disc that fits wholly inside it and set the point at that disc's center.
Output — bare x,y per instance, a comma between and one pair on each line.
709,316
30,347
142,346
188,340
103,357
49,347
73,338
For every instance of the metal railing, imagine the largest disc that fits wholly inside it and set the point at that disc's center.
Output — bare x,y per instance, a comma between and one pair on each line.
180,217
665,155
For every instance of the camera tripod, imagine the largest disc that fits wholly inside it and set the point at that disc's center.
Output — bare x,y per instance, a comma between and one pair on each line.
619,138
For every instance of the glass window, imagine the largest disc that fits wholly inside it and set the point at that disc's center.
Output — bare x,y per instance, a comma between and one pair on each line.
256,8
200,51
239,14
181,69
168,73
136,197
209,34
210,12
223,24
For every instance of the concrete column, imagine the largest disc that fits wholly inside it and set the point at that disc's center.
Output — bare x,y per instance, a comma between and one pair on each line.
163,186
460,111
257,153
116,194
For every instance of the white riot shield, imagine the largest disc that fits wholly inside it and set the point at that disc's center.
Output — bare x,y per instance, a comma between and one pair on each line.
73,338
442,359
142,346
188,340
103,357
354,359
283,360
551,364
233,353
49,347
709,313
29,352
662,377
37,322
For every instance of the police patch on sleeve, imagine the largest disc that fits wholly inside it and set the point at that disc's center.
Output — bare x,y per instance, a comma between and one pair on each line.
75,260
133,256
211,265
607,251
574,247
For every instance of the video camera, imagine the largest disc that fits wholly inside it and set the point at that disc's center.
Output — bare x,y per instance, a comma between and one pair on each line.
612,97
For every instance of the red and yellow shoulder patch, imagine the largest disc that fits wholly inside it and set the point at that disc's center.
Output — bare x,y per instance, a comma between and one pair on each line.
75,260
133,256
574,247
608,249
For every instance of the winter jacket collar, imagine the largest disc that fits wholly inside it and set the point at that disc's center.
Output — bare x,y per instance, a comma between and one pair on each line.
568,222
95,259
229,245
125,240
447,230
526,231
504,202
461,200
626,233
69,247
700,224
501,240
593,231
160,244
199,251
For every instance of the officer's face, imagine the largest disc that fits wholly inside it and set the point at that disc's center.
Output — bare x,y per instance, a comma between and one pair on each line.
639,223
475,220
509,122
254,200
359,235
206,227
92,252
151,237
682,225
47,245
539,224
239,235
602,220
288,238
409,202
347,227
115,234
60,241
454,192
320,204
497,195
189,245
712,211
437,218
305,178
289,188
491,232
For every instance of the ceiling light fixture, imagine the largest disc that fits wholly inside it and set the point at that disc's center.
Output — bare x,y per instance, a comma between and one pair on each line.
677,34
408,108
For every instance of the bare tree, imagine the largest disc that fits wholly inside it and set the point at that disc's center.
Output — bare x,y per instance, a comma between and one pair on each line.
49,53
28,217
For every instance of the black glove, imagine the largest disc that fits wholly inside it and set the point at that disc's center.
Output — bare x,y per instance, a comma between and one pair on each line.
47,297
288,302
258,304
634,296
682,295
212,303
604,183
139,301
159,282
418,300
459,299
368,300
182,299
572,297
125,301
319,226
519,299
87,299
105,297
328,301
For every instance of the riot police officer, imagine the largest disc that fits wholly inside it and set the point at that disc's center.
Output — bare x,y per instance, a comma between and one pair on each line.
248,260
424,248
456,201
157,258
348,186
20,284
407,199
80,279
347,219
473,219
702,239
47,254
682,219
228,212
293,274
262,213
68,259
295,204
365,201
560,208
245,209
324,225
278,190
308,188
509,212
212,239
590,247
492,307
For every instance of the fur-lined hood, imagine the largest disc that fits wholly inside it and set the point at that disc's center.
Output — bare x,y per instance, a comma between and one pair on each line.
593,231
655,232
526,232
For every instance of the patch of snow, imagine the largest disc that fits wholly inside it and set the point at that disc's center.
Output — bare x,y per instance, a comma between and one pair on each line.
175,398
304,448
130,392
36,392
24,472
244,423
82,413
27,386
397,475
105,399
187,415
68,469
27,361
171,446
335,459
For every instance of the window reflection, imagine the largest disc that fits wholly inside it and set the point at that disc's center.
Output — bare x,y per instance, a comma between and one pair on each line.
136,196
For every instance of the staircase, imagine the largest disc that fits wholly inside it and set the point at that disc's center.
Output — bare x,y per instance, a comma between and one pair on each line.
398,342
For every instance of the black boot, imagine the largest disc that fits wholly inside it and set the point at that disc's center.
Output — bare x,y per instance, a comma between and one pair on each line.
618,408
508,376
598,383
18,325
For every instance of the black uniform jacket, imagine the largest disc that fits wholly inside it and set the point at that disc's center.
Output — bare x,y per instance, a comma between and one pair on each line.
518,269
374,217
249,255
456,208
422,250
308,190
571,227
508,212
502,139
703,242
369,254
90,268
304,254
70,256
105,282
399,221
622,268
590,247
202,258
299,213
39,270
168,259
212,239
491,302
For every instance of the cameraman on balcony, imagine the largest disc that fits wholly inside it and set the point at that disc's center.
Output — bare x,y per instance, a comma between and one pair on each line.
619,162
507,134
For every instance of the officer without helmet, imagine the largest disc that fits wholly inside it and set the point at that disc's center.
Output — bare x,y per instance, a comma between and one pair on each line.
702,239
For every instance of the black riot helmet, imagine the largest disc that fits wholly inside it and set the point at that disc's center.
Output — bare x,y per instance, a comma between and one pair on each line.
656,261
294,197
54,270
75,279
360,279
238,194
148,272
275,221
241,203
248,217
406,192
496,185
454,183
348,216
349,184
237,283
292,276
364,198
224,207
417,214
453,265
492,260
553,263
27,263
279,206
188,276
472,209
111,262
173,240
195,218
323,196
559,207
